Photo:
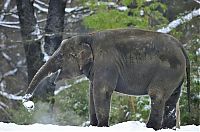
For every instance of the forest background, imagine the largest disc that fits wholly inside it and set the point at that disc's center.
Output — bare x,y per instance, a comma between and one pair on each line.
31,30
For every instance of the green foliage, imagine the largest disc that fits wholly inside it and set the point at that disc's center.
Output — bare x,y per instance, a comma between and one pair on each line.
140,3
112,19
21,116
127,2
193,117
73,104
106,18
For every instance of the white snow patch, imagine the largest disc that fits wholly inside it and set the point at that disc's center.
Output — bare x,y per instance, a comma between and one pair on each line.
198,52
68,10
29,105
122,8
130,126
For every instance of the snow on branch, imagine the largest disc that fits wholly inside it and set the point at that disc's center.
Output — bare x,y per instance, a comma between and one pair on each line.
70,85
10,96
9,23
3,105
10,73
40,8
5,7
9,26
197,1
42,3
46,56
180,21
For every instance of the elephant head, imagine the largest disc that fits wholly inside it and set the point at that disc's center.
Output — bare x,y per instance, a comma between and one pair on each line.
74,57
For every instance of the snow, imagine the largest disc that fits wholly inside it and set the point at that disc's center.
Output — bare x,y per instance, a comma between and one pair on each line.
130,126
46,56
122,8
29,105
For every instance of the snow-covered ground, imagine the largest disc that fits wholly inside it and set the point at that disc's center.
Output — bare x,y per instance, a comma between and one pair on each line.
130,126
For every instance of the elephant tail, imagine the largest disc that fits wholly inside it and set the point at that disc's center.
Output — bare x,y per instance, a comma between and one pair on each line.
188,81
187,76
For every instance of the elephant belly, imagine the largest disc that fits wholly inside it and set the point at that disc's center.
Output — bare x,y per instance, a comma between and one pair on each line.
135,81
132,86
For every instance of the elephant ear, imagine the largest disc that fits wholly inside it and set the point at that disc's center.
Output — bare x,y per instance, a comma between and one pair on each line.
85,55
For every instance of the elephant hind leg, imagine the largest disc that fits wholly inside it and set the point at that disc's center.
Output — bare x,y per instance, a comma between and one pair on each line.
157,110
169,118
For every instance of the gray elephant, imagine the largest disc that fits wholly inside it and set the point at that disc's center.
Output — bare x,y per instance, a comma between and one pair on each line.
129,61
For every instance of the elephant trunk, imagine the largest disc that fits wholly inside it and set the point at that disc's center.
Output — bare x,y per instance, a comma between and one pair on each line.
52,65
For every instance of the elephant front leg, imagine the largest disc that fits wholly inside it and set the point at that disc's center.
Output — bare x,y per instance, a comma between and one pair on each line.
104,83
93,118
102,99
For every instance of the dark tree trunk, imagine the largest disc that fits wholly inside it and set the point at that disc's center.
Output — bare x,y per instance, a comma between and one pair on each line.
55,25
29,34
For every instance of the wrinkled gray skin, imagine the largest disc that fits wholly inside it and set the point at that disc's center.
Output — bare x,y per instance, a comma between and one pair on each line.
129,61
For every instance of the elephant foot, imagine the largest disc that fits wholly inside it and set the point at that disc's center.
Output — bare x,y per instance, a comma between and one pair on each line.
93,123
154,124
169,124
103,123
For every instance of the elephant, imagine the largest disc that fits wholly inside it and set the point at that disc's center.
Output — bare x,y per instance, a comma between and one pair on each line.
129,61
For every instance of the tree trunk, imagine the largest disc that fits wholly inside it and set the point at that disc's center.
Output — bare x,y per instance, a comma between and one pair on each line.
29,32
54,25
